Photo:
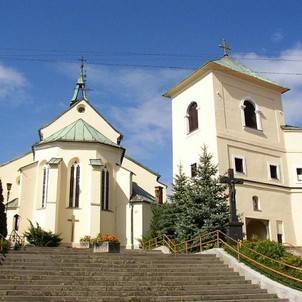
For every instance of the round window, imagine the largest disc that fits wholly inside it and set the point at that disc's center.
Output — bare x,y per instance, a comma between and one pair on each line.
81,109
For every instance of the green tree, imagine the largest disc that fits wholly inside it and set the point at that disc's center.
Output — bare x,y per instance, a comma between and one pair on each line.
197,204
3,218
204,205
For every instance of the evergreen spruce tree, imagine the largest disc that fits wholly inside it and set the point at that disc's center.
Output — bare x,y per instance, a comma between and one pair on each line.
3,219
204,207
164,215
197,204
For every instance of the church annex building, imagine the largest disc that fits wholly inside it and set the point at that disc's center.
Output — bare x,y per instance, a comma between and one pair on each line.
238,115
78,180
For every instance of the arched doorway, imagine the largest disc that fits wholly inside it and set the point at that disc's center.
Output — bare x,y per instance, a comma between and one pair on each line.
256,229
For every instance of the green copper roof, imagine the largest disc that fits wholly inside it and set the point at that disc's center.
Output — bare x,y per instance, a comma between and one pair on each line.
79,131
229,62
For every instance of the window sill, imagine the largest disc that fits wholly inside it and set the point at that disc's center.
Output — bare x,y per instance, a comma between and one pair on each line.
105,210
192,132
240,173
253,130
73,208
255,210
42,208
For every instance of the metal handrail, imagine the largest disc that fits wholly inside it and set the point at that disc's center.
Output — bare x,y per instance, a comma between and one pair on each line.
187,246
14,237
264,256
259,263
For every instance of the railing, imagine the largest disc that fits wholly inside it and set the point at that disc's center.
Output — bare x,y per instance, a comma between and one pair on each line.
217,238
15,239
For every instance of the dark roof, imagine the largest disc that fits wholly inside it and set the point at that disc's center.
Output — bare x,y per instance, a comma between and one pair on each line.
140,195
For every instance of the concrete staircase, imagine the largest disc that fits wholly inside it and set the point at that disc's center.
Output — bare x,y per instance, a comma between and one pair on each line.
65,274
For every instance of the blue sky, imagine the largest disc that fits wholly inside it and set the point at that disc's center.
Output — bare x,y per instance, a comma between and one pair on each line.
42,40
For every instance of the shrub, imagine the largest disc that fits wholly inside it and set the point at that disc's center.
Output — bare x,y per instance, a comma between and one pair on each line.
85,239
38,237
275,251
4,246
268,248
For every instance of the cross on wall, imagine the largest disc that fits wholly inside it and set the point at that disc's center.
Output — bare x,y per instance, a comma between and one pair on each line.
73,220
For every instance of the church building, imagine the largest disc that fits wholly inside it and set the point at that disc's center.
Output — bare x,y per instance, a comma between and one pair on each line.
77,180
238,114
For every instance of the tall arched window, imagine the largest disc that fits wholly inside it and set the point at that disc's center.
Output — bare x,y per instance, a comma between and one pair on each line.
105,186
74,190
250,116
192,115
45,186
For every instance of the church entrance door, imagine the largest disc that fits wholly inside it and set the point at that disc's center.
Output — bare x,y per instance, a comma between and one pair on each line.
257,229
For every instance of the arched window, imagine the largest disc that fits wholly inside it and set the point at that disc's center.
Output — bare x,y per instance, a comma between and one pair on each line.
74,190
250,116
105,186
192,115
45,186
256,203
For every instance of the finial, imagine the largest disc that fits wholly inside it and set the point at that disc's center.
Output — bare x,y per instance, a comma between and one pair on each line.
80,91
226,47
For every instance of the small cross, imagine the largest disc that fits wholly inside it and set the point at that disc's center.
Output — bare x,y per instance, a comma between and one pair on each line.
226,47
73,221
231,181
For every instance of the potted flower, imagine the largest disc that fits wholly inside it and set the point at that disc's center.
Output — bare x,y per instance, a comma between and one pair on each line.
106,243
85,242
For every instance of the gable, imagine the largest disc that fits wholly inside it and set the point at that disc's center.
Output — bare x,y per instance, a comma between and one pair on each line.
89,115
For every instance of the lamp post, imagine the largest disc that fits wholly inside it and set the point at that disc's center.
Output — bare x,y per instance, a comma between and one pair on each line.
8,187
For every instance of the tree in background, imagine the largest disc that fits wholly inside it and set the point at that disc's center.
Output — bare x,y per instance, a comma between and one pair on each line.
204,206
197,204
3,218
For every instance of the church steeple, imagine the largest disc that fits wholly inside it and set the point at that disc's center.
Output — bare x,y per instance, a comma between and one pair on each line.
80,91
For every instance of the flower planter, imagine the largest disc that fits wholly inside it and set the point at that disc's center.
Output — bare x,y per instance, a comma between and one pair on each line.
84,245
107,247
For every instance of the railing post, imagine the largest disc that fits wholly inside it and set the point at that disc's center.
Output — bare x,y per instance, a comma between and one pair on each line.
156,242
238,250
217,238
200,244
186,245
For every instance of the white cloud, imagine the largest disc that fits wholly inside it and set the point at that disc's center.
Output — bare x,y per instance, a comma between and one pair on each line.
13,84
289,61
277,36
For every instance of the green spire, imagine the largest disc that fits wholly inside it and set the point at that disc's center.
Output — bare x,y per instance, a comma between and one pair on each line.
80,91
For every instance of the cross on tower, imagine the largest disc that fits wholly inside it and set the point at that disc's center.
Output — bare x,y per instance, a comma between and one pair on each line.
73,221
82,60
226,47
235,227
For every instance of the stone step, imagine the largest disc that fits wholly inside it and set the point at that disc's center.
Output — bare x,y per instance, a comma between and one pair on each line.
116,274
127,286
112,269
102,278
6,283
129,299
147,291
163,298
